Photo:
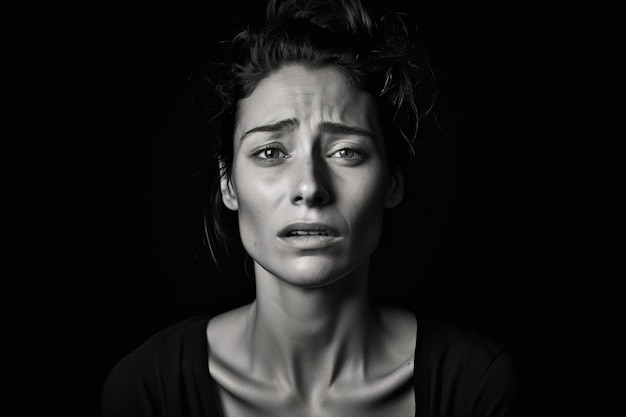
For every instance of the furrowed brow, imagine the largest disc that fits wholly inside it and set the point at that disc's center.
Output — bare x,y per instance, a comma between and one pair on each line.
341,129
281,125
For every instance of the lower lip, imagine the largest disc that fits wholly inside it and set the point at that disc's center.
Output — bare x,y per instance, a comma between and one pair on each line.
310,241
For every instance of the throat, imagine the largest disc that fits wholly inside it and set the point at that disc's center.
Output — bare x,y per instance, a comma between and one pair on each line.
312,343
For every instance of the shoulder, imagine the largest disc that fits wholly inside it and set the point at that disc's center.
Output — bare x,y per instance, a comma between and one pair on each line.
466,369
135,386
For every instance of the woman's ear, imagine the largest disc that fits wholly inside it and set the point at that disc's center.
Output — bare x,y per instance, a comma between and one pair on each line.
229,195
395,188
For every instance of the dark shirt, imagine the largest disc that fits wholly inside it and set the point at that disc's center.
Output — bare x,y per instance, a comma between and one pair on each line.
457,373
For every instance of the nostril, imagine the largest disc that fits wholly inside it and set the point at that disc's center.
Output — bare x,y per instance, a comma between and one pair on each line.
318,199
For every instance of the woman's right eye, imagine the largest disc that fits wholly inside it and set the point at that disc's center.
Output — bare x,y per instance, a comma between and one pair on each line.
269,155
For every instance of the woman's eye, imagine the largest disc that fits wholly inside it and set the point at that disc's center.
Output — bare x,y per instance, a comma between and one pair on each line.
347,153
269,153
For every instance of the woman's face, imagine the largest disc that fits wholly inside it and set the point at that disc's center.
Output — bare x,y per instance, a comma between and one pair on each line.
309,178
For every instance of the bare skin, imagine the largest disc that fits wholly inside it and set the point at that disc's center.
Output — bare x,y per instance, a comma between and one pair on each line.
310,183
328,359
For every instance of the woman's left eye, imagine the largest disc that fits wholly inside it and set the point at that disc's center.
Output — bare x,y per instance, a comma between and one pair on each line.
347,153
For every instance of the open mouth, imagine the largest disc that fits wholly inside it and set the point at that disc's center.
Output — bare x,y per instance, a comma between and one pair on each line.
303,229
309,236
307,233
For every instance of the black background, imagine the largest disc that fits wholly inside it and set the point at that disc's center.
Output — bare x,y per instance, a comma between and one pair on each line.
521,191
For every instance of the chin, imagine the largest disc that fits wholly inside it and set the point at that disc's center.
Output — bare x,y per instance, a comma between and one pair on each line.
310,271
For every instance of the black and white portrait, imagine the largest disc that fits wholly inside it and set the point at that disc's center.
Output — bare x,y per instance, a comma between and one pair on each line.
311,208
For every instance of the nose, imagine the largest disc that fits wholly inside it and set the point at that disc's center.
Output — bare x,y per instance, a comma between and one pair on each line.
310,184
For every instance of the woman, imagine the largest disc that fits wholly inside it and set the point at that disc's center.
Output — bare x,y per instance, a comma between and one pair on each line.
320,108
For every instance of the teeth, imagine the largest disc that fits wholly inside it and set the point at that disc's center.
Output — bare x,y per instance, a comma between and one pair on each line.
305,233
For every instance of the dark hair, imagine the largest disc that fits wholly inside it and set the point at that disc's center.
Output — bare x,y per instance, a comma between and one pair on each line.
375,51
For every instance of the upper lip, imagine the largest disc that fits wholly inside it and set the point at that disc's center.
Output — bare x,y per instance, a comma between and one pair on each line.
308,227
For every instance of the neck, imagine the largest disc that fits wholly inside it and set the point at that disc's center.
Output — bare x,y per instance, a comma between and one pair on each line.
311,335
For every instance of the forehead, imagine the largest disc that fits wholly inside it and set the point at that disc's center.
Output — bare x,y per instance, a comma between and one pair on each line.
309,95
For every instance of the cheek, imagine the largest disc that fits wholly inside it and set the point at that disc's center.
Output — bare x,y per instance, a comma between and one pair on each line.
251,214
250,229
365,206
257,203
368,189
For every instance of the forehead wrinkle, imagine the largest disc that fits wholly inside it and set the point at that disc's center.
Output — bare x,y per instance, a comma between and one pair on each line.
316,110
331,98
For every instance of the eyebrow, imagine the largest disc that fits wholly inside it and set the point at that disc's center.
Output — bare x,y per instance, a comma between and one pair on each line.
279,126
326,127
341,129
